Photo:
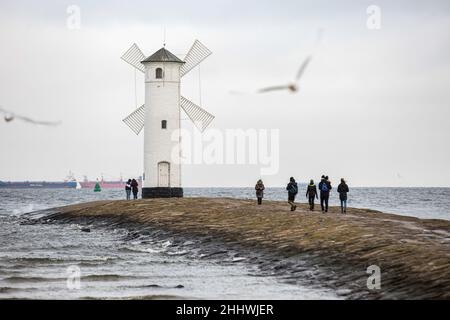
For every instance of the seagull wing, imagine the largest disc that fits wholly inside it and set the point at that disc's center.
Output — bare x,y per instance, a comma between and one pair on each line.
274,88
6,112
42,123
303,68
26,119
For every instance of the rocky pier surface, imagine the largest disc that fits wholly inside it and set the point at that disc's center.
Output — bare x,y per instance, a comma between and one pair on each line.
413,255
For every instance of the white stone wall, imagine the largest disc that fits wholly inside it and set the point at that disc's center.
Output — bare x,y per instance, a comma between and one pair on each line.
162,101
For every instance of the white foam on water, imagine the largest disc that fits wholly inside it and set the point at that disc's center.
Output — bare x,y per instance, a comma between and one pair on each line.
27,209
155,260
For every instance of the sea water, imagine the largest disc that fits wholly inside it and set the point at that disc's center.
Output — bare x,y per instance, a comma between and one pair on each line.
59,261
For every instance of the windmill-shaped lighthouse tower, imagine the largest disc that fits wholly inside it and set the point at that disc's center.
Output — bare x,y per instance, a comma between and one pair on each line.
160,115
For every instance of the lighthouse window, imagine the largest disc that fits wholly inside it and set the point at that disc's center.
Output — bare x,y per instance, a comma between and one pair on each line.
164,124
159,73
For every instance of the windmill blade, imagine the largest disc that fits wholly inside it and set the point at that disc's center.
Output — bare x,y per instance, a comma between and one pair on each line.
134,56
303,68
135,121
196,54
200,117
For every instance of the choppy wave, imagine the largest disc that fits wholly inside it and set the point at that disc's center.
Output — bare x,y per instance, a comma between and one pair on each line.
107,277
25,279
125,263
9,290
179,286
24,262
28,208
143,297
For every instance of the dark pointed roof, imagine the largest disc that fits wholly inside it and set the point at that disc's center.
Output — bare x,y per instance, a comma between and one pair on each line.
163,55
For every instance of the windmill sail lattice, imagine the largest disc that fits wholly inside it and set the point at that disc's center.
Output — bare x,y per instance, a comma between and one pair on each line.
136,120
134,56
200,117
196,54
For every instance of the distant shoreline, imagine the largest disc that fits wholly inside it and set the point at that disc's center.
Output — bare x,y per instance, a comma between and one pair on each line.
413,254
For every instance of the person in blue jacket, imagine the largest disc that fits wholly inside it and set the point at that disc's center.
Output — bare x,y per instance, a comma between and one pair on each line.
324,188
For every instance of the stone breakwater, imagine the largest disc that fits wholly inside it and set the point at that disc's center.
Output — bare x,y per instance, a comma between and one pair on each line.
412,254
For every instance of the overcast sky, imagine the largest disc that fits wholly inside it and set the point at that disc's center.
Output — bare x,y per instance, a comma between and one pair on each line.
374,105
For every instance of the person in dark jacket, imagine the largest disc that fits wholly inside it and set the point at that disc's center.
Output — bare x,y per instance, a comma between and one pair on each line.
325,188
128,189
343,190
311,193
135,188
292,189
259,187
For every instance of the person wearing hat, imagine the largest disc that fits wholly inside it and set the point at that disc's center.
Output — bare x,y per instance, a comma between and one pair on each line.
343,190
325,188
311,194
292,190
259,187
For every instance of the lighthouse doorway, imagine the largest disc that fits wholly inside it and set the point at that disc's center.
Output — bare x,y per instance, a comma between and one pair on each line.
164,174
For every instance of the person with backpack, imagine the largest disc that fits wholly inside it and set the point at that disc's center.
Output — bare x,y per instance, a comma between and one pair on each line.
292,190
135,188
259,187
343,190
325,188
311,193
128,189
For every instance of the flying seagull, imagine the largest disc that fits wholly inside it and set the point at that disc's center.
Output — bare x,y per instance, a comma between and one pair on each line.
10,116
293,86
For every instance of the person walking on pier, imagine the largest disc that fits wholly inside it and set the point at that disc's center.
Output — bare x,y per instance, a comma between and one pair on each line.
128,189
259,187
343,190
135,188
292,189
325,188
311,193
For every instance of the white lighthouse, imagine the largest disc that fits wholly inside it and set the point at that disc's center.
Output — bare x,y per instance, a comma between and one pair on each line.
160,116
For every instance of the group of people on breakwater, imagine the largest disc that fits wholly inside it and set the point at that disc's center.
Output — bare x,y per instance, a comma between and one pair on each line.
312,193
132,186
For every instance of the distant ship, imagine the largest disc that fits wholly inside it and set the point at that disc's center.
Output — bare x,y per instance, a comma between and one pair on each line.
69,183
38,184
104,184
